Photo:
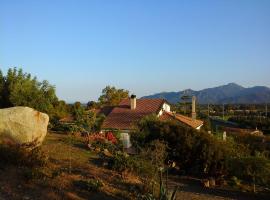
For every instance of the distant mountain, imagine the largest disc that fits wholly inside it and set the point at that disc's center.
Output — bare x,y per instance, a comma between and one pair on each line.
230,93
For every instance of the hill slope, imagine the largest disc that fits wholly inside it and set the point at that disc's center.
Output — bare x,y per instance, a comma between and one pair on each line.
230,93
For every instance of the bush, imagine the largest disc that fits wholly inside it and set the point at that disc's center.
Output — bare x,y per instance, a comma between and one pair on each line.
32,173
196,153
123,162
112,148
254,143
89,185
19,156
145,165
253,169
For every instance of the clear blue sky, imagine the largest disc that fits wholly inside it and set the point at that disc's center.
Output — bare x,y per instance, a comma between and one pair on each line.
145,46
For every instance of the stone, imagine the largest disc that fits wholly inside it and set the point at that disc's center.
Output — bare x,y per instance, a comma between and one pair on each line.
212,182
23,126
206,183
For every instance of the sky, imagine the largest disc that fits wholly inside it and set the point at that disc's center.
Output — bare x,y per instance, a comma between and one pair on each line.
145,46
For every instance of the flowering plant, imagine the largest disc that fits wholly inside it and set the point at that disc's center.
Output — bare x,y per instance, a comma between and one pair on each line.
102,137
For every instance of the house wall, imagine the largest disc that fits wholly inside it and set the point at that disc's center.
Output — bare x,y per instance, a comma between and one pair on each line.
125,138
166,107
199,127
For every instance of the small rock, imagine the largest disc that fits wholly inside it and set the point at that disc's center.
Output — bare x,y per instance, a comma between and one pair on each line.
206,183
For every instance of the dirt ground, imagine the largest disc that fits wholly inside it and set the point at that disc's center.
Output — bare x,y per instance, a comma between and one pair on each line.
191,189
69,161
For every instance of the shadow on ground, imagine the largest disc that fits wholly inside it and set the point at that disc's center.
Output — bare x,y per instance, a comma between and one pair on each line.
193,186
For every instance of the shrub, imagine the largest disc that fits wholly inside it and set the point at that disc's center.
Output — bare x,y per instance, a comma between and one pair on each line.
113,148
254,143
89,185
123,162
32,173
145,165
253,169
19,156
195,152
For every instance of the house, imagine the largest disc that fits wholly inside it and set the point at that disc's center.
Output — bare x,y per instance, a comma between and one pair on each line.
125,116
187,121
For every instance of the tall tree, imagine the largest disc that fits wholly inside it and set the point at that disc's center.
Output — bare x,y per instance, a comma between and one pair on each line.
112,96
20,89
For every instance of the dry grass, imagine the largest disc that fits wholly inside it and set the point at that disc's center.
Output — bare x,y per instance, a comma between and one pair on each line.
69,161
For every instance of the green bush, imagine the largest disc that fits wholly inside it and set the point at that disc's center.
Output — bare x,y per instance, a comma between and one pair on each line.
123,162
145,165
196,153
254,143
253,169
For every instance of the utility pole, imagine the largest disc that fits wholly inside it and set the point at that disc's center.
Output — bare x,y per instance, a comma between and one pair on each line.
223,112
266,110
208,109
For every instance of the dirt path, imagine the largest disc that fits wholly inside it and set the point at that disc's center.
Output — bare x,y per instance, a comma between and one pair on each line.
191,189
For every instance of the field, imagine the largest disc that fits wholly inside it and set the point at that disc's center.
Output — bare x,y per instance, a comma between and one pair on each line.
70,162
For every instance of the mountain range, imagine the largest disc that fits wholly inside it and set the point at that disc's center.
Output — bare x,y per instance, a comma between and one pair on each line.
231,93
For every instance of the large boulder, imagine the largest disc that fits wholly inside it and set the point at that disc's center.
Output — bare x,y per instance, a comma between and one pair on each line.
23,126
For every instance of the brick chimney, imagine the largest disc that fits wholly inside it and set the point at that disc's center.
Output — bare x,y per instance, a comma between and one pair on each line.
133,102
194,115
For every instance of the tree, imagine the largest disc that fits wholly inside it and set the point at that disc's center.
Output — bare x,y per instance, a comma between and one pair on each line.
86,119
61,109
77,111
92,104
112,96
20,89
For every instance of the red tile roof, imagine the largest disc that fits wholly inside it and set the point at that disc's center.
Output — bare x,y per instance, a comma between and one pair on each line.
106,110
123,118
183,119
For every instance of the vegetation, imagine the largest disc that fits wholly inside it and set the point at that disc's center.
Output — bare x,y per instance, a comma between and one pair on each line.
252,122
89,185
19,156
197,154
112,96
255,144
201,154
21,89
253,169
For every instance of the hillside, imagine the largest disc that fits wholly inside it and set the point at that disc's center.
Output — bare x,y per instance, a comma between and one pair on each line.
230,93
70,162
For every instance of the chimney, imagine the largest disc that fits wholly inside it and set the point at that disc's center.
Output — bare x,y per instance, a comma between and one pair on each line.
194,115
133,102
